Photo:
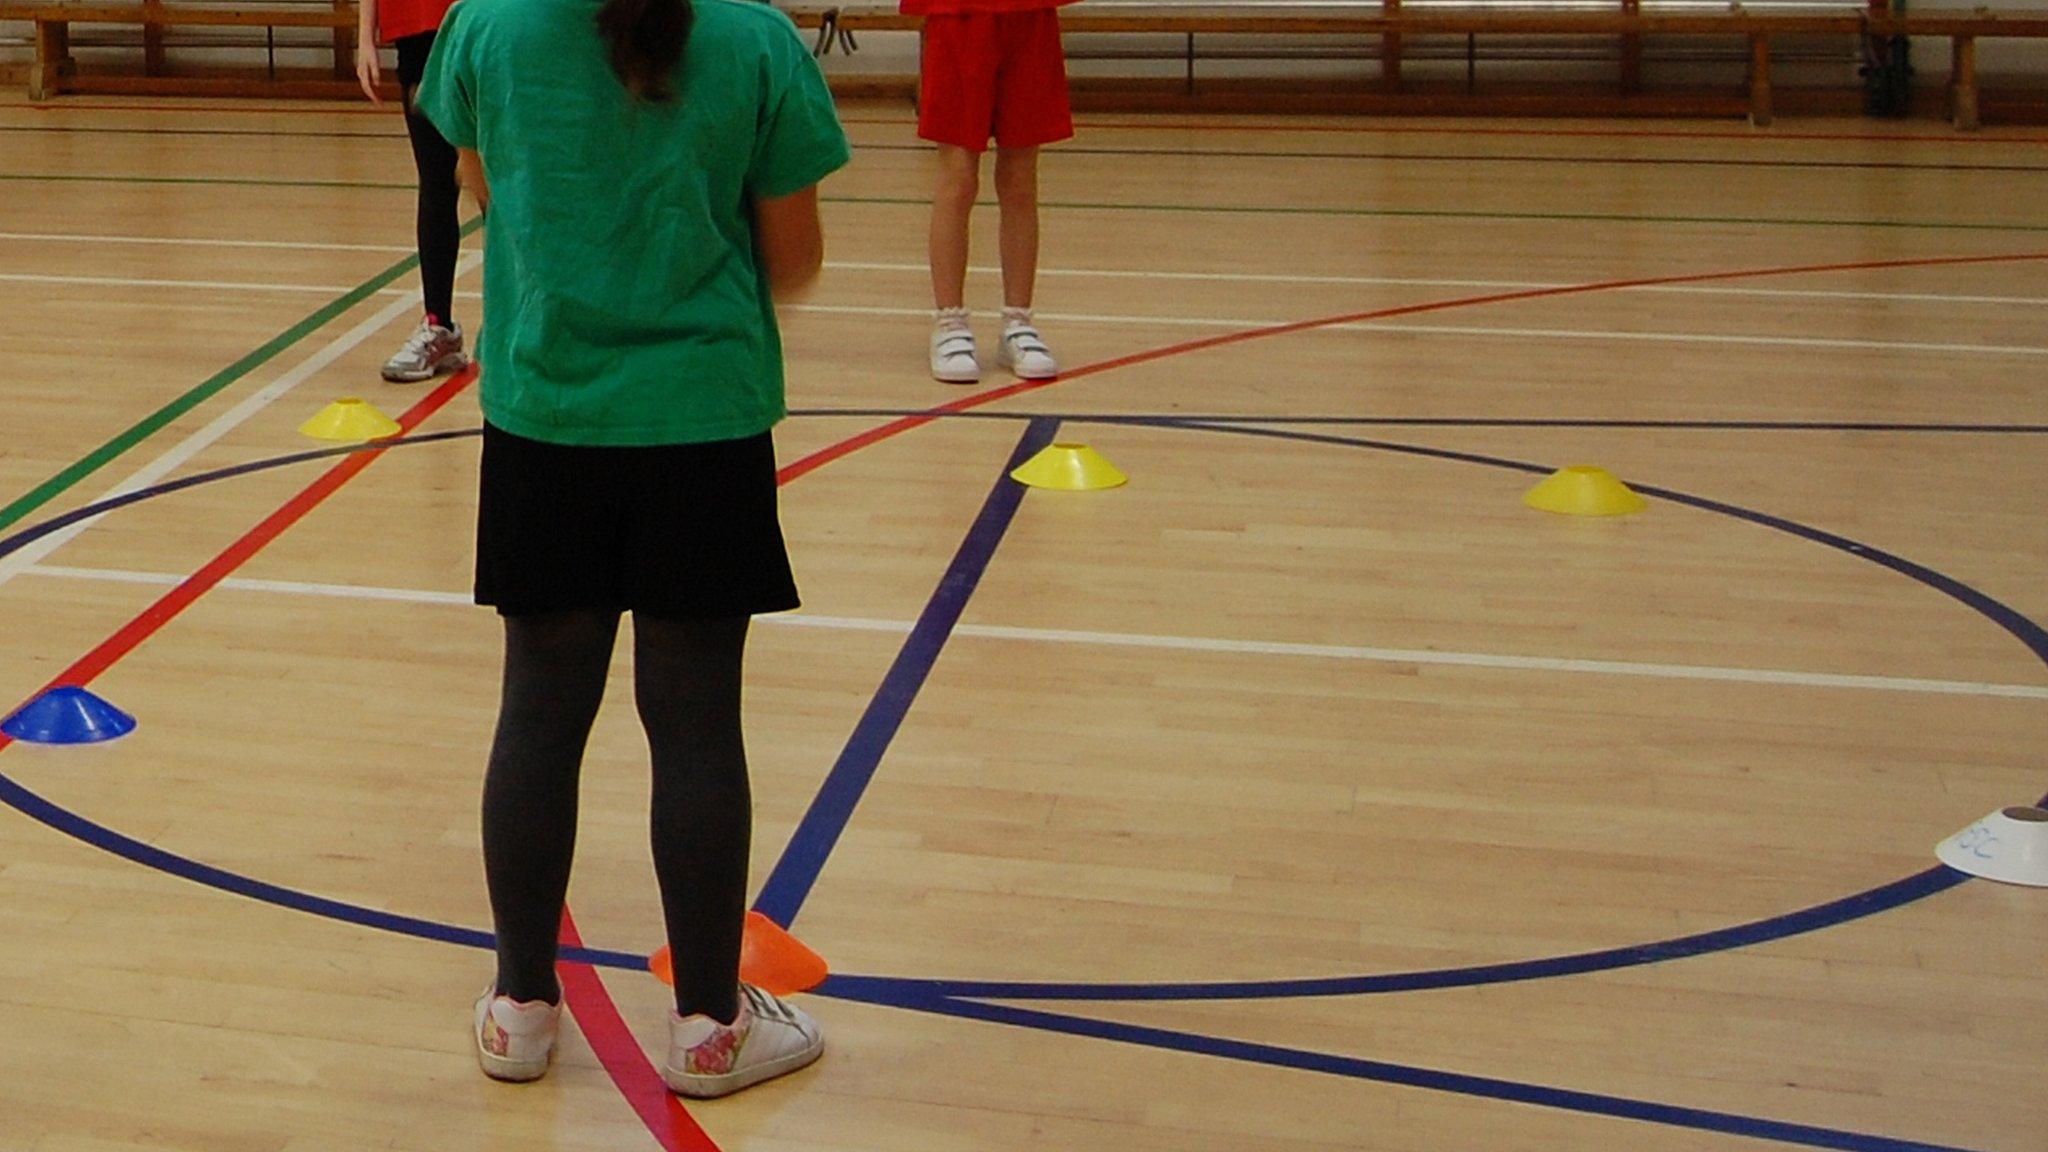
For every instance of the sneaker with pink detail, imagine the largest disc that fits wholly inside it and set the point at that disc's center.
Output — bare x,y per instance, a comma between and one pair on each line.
770,1037
515,1039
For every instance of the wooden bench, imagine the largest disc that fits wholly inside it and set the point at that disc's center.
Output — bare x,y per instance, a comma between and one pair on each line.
53,70
1392,24
1963,28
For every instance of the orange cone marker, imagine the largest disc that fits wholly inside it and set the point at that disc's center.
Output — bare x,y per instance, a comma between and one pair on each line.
770,959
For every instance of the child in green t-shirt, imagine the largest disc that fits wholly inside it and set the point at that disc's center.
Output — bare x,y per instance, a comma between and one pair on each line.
649,172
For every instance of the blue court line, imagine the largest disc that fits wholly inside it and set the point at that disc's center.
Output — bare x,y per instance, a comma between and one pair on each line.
1839,911
2022,629
1938,879
917,995
1853,907
1409,1076
34,532
1169,420
1848,908
790,883
35,807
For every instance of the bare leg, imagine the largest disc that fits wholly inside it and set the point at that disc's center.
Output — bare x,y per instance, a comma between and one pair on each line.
952,205
1017,192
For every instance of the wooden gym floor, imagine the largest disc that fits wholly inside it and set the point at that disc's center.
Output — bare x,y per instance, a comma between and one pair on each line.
1309,792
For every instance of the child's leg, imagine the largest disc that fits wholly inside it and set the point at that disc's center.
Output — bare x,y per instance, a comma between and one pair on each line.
438,222
1023,350
555,668
1017,193
952,207
686,677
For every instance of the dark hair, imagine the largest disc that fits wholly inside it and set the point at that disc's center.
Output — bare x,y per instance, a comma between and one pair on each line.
645,39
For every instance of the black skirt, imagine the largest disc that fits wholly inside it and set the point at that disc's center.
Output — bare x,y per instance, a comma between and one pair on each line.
680,530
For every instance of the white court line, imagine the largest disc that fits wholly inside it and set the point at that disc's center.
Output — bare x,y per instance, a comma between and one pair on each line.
1703,338
202,242
1436,282
1429,656
206,285
1475,330
15,563
183,285
1178,321
1138,274
1931,297
247,584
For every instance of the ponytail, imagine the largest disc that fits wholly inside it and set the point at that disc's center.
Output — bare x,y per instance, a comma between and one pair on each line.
645,40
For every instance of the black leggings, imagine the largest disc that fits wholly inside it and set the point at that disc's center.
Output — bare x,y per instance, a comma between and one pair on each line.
686,679
439,215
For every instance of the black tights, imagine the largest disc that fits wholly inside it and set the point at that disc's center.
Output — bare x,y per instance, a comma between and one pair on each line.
686,679
439,215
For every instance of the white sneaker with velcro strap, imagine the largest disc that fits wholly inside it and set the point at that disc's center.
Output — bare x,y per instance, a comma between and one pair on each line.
1023,350
953,354
770,1037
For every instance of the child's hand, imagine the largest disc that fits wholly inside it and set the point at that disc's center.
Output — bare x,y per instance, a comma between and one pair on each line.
369,72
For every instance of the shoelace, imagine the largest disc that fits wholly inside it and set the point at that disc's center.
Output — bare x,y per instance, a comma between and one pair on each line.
423,338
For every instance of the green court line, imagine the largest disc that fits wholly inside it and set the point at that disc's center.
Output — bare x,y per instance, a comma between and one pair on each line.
155,422
1222,209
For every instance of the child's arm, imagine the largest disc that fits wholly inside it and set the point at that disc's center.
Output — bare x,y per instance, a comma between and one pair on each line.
369,71
792,242
469,173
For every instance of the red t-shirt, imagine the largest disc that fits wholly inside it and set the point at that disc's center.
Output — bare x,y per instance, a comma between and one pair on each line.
397,19
958,7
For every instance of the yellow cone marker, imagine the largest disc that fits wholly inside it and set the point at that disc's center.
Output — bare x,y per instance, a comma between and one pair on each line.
1068,468
350,419
1583,490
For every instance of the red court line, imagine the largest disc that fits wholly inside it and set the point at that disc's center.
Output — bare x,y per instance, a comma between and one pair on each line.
624,1060
876,435
592,1005
111,650
595,1012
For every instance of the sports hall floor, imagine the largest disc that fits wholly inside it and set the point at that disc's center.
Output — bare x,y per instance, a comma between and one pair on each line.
1308,792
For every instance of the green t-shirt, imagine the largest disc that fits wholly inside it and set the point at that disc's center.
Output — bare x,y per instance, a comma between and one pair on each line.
624,298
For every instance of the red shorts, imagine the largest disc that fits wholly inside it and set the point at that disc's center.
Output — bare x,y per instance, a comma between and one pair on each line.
1000,74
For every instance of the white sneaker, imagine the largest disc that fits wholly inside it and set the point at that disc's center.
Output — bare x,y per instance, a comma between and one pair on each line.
432,349
515,1039
953,355
768,1038
1023,350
